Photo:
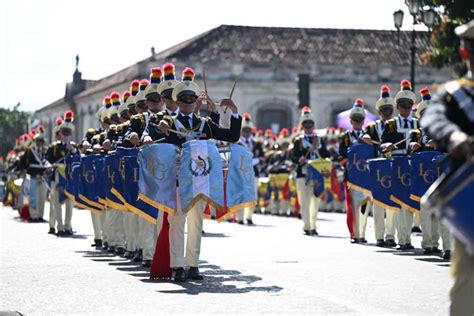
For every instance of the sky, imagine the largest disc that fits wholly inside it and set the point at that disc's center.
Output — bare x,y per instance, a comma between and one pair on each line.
40,39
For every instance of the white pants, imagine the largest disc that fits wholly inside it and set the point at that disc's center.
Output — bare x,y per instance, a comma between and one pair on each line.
176,237
432,228
379,221
147,238
363,219
41,193
53,205
462,267
404,224
115,229
96,225
309,204
104,225
245,212
68,219
193,241
390,224
416,220
131,230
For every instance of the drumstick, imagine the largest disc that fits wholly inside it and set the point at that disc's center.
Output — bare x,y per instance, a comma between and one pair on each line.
204,79
231,93
177,132
397,143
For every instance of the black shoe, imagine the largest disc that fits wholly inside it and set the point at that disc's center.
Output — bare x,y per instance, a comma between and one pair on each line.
138,256
105,246
362,240
409,246
307,232
213,217
380,243
119,251
179,275
447,255
97,243
241,222
354,240
146,263
61,233
68,232
313,232
111,249
416,229
427,251
390,243
193,274
435,250
52,231
249,222
402,247
128,254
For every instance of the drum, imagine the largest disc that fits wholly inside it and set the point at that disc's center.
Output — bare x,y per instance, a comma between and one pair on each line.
452,198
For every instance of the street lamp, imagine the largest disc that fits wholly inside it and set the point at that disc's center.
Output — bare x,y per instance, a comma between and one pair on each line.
427,17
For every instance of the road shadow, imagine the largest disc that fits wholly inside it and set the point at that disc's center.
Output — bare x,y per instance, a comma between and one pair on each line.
215,279
214,235
435,259
75,236
328,236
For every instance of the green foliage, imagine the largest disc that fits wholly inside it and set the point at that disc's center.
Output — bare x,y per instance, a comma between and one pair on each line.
13,123
451,13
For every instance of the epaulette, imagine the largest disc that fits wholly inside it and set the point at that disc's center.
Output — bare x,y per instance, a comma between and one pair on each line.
391,125
138,118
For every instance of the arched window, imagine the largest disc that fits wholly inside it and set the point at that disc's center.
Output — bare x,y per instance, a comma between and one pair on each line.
274,114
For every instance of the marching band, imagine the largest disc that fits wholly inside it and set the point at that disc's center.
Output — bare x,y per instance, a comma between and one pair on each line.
164,159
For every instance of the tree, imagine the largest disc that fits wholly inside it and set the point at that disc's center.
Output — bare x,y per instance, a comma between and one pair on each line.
445,42
13,123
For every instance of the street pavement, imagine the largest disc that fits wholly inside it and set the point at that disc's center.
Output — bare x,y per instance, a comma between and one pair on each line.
269,268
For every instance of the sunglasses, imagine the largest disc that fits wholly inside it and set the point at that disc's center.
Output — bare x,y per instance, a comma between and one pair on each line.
386,110
357,119
187,99
405,104
142,105
154,98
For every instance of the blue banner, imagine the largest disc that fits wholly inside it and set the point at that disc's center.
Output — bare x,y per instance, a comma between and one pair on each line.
358,176
111,171
131,182
424,172
241,189
201,175
89,181
70,160
157,177
381,175
454,197
401,183
319,174
101,179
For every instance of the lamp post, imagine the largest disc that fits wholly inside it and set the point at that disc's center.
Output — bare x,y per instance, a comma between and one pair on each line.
426,17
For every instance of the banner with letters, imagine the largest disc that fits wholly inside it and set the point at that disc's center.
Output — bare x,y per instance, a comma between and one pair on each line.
401,183
381,175
241,188
358,175
319,174
157,177
424,172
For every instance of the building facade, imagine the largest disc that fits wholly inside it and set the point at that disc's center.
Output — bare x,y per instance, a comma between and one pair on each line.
342,64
